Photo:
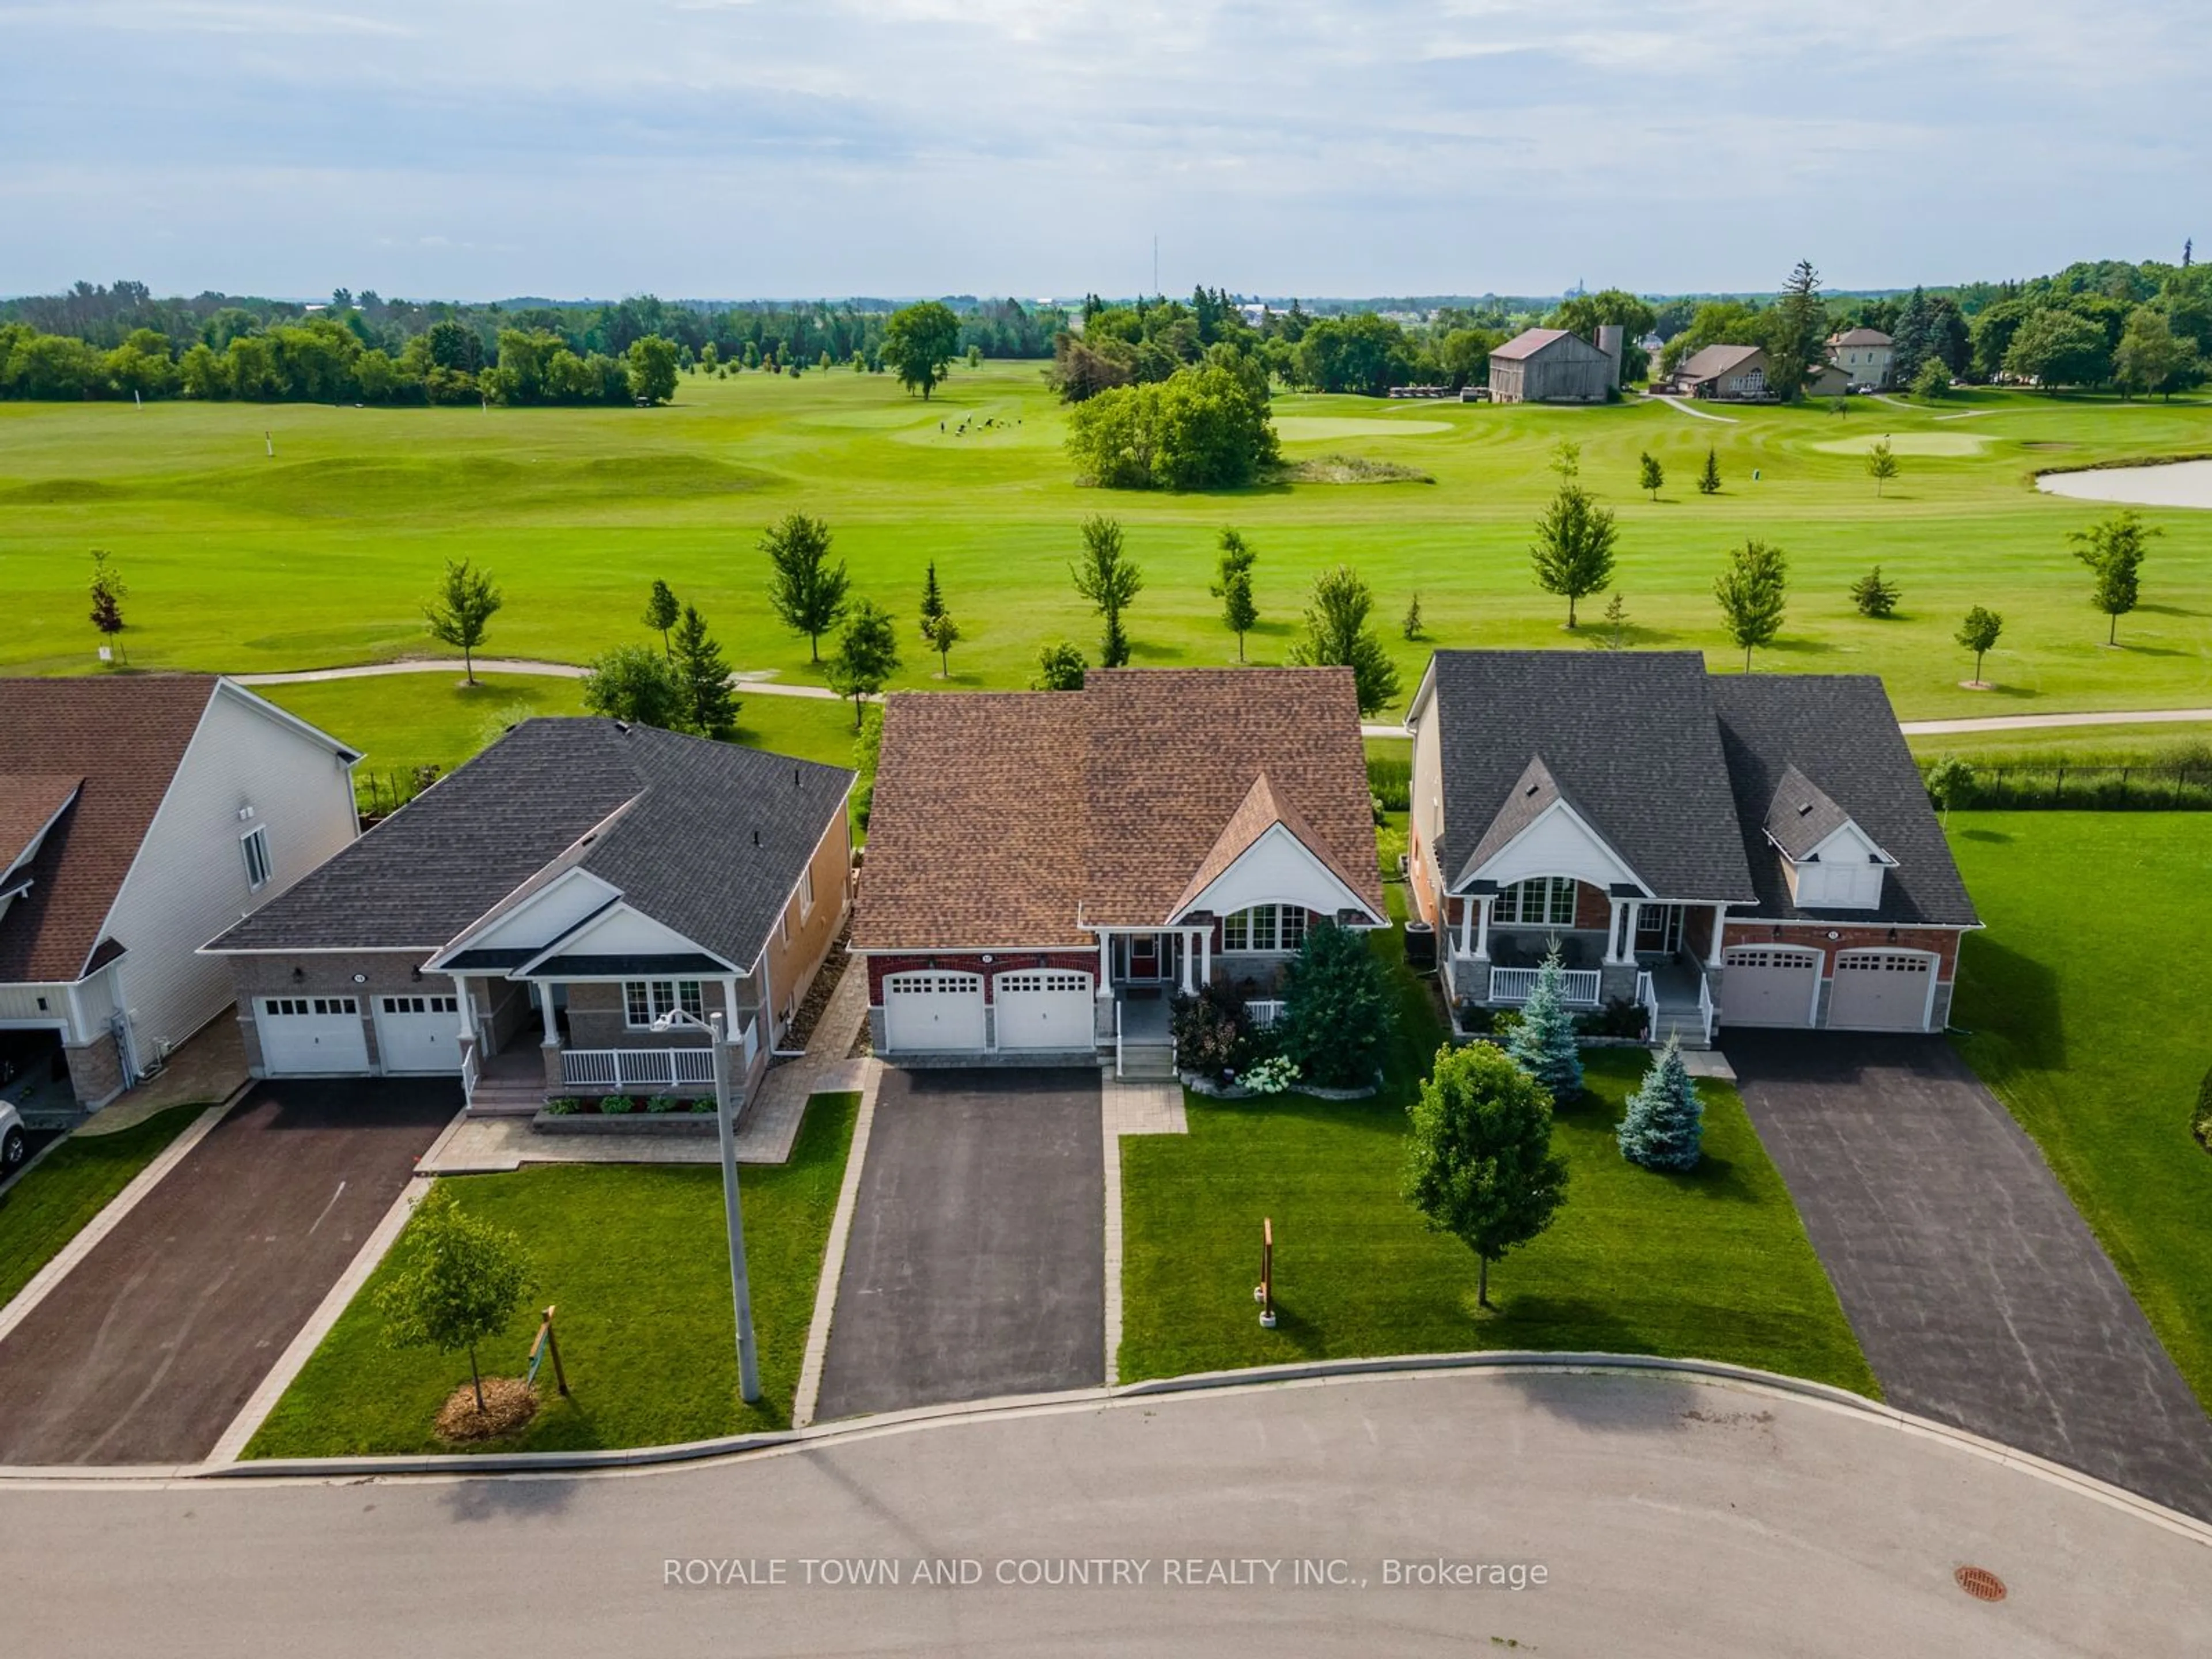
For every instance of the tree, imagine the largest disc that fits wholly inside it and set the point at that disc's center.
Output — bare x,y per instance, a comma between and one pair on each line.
1798,325
1105,576
933,597
1664,1126
108,592
1543,1044
652,369
1933,380
1709,481
1410,628
942,633
460,609
2151,357
2055,347
1978,634
661,611
1649,475
1336,1009
1337,634
1750,590
1873,595
1060,667
867,656
806,591
1949,781
1573,550
703,678
1614,636
1479,1159
1233,585
2113,549
628,682
1881,463
919,343
1203,427
456,1282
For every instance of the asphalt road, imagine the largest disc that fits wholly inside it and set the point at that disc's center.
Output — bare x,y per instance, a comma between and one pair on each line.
153,1343
1670,1517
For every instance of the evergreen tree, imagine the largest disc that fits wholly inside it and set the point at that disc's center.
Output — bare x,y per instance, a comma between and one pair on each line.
1615,634
1665,1124
661,610
1709,481
1873,595
1799,333
1105,576
1479,1158
867,656
1751,592
1649,475
1336,1009
2113,549
933,607
1978,634
703,678
1573,550
1337,634
460,609
806,591
1411,626
1543,1044
1911,340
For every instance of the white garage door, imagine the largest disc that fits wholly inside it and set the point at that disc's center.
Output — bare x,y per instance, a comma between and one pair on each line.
932,1013
301,1037
1769,985
1882,991
1046,1009
418,1034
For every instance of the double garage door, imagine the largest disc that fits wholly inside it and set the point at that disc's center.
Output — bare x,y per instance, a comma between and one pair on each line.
1871,990
316,1036
939,1012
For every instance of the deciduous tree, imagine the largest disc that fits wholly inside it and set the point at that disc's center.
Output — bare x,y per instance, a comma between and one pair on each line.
1060,667
107,592
919,343
805,590
627,683
1751,592
461,610
661,611
456,1281
1978,634
1649,475
866,658
2113,549
1104,575
1573,550
1479,1158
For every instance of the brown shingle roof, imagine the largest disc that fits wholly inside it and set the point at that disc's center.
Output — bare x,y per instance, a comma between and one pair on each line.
124,736
28,803
1008,819
1715,360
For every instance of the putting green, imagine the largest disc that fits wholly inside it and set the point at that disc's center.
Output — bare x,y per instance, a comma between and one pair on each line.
1303,428
1908,443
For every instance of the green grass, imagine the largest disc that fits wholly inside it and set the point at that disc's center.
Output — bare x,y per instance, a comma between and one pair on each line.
74,1182
322,554
2085,999
2075,746
1714,1265
633,1256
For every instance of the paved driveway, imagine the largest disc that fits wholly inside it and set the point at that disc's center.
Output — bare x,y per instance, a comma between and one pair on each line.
1979,1294
154,1341
976,1264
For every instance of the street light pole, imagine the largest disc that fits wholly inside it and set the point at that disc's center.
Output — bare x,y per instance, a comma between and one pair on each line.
733,1216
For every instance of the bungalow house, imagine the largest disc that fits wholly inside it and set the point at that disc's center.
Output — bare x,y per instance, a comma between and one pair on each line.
1728,373
1550,365
1045,870
560,916
1726,850
138,814
1862,356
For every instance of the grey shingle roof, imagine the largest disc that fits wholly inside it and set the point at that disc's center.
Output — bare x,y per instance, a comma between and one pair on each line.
1801,815
1627,738
712,841
1838,731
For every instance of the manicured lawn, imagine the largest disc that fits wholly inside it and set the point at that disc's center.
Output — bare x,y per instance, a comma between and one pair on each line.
50,1205
633,1256
2075,746
1714,1265
2087,1004
322,554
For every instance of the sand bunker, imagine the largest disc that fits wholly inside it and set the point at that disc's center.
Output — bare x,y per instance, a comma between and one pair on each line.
2178,483
1907,443
1303,428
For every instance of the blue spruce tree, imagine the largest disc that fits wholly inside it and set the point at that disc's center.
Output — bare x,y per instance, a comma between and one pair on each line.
1543,1044
1665,1125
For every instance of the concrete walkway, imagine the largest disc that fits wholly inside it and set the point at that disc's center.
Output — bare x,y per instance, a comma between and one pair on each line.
2032,722
755,680
1702,414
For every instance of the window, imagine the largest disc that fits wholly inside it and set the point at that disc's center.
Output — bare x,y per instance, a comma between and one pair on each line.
254,844
1541,902
645,1000
806,893
1264,927
421,1004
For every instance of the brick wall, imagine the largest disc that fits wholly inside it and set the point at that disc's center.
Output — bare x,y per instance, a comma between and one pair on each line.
330,975
95,1070
793,964
1943,941
1001,961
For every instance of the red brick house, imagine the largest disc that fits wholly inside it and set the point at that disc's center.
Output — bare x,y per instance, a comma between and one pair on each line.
1045,870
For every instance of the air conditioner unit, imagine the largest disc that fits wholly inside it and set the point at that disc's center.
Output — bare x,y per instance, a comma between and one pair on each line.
244,814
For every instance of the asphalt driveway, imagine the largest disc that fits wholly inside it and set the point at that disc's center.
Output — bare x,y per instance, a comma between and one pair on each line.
154,1341
1979,1294
976,1262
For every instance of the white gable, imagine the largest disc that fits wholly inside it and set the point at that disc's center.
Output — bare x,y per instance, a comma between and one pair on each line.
1844,872
621,930
545,915
1279,869
1558,843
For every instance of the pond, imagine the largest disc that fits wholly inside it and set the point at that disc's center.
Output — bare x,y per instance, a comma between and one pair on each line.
2177,483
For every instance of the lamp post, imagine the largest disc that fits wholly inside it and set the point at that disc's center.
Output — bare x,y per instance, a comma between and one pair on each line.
733,1215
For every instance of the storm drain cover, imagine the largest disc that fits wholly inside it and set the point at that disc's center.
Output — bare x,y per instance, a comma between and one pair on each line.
1980,1583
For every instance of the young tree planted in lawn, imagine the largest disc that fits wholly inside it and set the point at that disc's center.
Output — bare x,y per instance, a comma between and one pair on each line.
1649,475
919,343
942,633
933,597
1105,576
1479,1159
460,609
1881,463
1410,628
1949,781
457,1281
1573,550
1709,480
866,657
107,592
661,611
1060,667
1664,1126
1336,1009
1233,585
2113,549
1751,592
1337,634
1543,1044
1978,634
805,590
629,683
703,678
1873,597
1613,636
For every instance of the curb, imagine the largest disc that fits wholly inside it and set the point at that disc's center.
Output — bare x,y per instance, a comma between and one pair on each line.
809,1391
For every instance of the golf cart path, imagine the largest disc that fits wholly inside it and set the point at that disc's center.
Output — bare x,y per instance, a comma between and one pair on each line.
1703,415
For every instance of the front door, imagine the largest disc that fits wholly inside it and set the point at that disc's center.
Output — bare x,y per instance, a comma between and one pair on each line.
1144,957
1658,928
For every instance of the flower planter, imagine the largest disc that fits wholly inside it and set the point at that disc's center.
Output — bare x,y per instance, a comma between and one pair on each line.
1199,1084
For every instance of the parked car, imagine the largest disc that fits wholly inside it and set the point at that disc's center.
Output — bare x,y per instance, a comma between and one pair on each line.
13,1142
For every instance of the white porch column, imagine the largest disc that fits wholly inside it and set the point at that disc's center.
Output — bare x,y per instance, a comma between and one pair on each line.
1105,963
1634,921
1466,927
466,1003
1614,954
1189,959
730,1021
1720,920
1205,957
1482,928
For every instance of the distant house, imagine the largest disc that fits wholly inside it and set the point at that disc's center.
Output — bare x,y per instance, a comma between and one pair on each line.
1864,355
1551,366
138,814
1726,374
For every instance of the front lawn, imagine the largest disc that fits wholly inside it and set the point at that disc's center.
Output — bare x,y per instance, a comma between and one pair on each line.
53,1203
633,1256
1714,1265
2086,1002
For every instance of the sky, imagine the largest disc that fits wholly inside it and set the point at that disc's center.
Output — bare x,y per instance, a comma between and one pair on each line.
715,148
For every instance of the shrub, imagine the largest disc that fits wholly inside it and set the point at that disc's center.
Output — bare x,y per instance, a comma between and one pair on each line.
616,1105
702,1106
661,1103
1621,1017
1211,1032
563,1106
1270,1077
1934,379
1336,1009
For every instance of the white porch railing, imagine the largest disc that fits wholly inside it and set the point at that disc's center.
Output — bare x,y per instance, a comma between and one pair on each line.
1265,1012
469,1073
1647,998
1117,1037
638,1068
1515,984
1705,1003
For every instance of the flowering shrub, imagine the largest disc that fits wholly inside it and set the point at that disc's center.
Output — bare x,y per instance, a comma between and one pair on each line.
1271,1077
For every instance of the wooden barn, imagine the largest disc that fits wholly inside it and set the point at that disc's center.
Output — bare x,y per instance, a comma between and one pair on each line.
1551,366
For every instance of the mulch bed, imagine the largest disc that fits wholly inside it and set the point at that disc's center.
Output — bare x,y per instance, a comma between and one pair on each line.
801,1030
509,1403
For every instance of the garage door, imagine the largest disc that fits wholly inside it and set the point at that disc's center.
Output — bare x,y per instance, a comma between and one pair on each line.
1769,985
932,1013
1048,1009
301,1037
1882,991
418,1034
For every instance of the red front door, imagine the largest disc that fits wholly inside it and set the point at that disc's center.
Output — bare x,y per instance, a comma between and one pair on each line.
1144,956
